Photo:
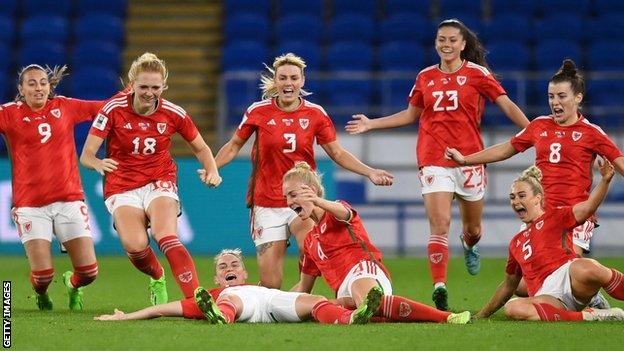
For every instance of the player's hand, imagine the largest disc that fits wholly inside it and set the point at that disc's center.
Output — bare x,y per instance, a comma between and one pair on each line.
106,165
212,179
454,155
116,316
358,125
606,169
381,177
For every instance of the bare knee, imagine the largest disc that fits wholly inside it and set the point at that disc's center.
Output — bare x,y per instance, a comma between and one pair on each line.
518,309
473,229
440,225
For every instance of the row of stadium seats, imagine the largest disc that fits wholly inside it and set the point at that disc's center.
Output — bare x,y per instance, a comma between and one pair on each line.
63,8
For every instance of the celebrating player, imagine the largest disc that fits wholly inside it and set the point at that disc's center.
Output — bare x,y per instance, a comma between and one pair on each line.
559,283
286,126
140,175
448,100
338,248
47,194
238,302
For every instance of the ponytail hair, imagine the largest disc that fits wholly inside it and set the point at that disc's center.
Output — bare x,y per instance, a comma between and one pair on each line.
569,73
474,50
267,84
305,174
533,177
55,75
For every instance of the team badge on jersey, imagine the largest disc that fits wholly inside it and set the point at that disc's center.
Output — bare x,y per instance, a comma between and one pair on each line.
461,80
539,224
161,127
304,123
100,122
56,113
576,135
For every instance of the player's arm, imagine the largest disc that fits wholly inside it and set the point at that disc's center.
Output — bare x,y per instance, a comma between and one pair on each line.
229,150
584,210
502,294
209,174
171,309
348,161
493,153
618,164
89,159
511,110
362,124
305,284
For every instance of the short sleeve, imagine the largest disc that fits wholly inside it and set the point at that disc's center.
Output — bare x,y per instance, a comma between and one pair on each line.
565,216
84,110
307,265
415,97
326,132
524,139
489,87
604,146
102,124
512,266
187,128
246,127
3,119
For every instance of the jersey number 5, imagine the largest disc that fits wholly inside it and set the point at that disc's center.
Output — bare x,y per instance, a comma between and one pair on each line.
452,97
527,249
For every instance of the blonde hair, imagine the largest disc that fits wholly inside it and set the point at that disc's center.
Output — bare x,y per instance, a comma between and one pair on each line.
148,62
533,177
234,252
55,75
304,173
267,84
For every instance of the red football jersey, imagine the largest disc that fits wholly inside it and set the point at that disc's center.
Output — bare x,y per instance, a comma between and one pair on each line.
452,104
140,143
543,247
43,153
282,139
333,247
565,156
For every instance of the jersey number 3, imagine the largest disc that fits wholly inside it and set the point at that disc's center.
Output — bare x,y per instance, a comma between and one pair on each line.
291,142
451,97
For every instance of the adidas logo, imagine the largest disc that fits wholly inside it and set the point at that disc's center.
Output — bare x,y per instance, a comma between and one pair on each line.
271,122
127,126
431,83
544,133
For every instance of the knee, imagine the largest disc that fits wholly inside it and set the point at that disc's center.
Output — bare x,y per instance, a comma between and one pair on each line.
589,270
439,225
516,309
472,228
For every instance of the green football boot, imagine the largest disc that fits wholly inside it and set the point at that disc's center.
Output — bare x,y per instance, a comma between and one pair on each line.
209,308
75,294
368,307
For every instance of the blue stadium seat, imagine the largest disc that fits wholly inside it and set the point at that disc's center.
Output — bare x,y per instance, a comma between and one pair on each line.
577,7
344,96
93,83
606,56
7,30
352,191
245,55
508,56
520,8
9,8
298,27
107,7
239,95
6,59
563,27
350,56
96,53
469,8
471,21
401,56
406,27
4,92
605,92
350,28
609,6
394,93
508,27
310,8
60,8
254,7
43,27
538,90
550,54
311,53
42,53
100,27
608,25
361,7
247,27
395,7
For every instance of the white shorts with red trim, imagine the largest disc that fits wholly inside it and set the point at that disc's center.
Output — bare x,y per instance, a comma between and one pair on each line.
467,182
65,220
270,223
364,269
143,196
264,305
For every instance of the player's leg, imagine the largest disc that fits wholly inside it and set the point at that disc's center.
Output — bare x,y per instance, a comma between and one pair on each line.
471,212
587,276
543,307
223,311
269,230
581,238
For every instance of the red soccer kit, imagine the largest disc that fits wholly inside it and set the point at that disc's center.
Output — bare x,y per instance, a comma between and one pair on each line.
43,153
140,143
452,104
282,139
565,156
333,247
190,309
543,247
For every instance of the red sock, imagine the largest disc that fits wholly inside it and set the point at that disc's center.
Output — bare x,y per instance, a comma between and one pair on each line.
400,309
228,310
438,257
615,285
41,279
471,240
146,262
181,264
328,313
84,275
550,313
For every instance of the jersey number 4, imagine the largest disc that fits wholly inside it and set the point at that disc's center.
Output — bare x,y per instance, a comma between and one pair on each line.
451,97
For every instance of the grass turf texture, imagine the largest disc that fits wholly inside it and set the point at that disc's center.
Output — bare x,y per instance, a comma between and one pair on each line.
121,285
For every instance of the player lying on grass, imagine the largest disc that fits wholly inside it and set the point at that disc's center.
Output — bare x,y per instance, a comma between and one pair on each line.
238,302
560,284
337,247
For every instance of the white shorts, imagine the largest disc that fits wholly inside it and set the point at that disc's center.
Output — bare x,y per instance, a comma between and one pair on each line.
467,182
270,223
143,196
264,305
581,234
558,285
65,220
364,269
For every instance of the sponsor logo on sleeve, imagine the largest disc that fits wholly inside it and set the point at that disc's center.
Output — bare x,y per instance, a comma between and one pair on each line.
100,122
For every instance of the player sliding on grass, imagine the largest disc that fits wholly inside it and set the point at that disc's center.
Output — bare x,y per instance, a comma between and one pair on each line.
559,283
337,247
238,302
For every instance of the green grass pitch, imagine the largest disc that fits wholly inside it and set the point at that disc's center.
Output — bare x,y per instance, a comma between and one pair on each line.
120,285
